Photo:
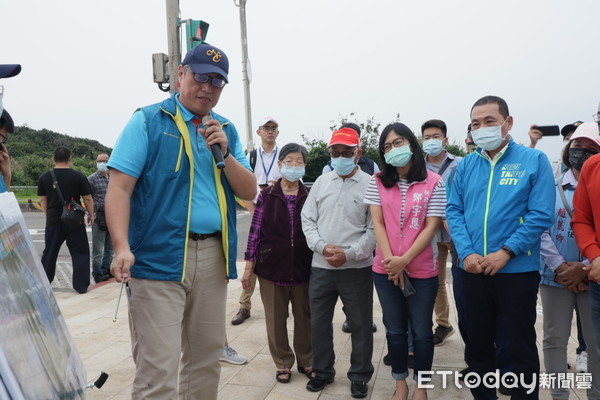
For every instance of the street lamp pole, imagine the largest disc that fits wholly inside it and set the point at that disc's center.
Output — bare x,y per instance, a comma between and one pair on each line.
173,39
241,4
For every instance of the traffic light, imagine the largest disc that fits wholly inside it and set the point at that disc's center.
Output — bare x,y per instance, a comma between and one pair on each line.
196,31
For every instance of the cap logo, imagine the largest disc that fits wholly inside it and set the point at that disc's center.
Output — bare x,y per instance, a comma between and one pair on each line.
216,55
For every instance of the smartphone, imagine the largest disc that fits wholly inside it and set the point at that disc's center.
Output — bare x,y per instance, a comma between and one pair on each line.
409,289
549,130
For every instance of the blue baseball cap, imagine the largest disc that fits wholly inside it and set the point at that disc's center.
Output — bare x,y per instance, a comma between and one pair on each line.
207,59
8,70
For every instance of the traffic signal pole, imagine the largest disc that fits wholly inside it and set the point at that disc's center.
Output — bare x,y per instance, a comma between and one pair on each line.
173,42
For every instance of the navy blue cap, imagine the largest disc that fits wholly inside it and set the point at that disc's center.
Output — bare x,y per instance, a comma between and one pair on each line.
207,59
8,70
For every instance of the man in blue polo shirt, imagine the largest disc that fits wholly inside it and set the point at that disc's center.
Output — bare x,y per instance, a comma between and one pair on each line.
171,214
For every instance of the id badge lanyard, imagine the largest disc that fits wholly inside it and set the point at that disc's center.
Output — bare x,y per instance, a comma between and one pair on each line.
267,172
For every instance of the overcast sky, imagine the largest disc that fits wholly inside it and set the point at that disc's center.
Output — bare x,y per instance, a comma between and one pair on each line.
87,65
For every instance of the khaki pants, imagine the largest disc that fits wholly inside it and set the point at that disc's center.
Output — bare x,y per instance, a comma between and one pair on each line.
180,327
246,296
276,300
441,308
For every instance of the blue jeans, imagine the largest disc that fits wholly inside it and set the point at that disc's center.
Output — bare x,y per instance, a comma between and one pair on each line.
397,312
102,252
595,305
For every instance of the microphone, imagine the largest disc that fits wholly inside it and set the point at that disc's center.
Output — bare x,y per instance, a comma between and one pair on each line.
215,148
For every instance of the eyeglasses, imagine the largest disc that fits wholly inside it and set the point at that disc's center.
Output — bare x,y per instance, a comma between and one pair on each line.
345,154
291,163
203,78
437,136
3,139
596,117
269,128
396,143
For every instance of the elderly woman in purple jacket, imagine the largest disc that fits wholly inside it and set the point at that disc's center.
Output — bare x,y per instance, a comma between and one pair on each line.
277,253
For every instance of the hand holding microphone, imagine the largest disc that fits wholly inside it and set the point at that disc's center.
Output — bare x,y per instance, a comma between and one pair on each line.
215,148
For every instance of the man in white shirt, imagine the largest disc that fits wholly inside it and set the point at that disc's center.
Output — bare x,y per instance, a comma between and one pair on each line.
264,164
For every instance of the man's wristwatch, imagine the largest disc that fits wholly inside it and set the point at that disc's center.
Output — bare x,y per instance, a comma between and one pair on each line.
227,153
509,251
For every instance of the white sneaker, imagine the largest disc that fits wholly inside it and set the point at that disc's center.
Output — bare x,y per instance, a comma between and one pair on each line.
581,361
232,357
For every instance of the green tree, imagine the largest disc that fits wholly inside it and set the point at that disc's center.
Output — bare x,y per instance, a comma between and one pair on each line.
456,149
317,158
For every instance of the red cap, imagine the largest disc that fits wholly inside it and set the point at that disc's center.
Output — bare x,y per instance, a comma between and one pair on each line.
345,136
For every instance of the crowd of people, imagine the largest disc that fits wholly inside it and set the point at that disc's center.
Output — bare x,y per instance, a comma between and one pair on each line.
510,225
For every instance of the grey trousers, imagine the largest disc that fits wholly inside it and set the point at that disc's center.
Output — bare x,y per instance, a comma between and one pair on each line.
355,288
559,305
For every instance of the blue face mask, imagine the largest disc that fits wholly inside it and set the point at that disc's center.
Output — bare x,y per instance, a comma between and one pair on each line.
433,147
292,174
398,156
342,165
489,137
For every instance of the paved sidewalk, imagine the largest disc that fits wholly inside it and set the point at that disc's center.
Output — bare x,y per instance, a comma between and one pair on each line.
104,345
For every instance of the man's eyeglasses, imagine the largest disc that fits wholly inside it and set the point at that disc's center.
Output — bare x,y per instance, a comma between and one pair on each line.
203,78
396,143
596,117
345,154
269,128
3,139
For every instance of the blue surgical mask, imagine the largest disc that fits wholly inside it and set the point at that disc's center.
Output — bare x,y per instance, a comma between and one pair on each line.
292,174
342,165
489,137
102,166
433,147
398,156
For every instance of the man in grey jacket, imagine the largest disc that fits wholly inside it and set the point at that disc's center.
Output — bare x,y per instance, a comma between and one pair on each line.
339,230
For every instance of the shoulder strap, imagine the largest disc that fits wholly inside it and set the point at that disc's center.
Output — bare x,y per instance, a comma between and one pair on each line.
253,159
561,191
55,185
445,166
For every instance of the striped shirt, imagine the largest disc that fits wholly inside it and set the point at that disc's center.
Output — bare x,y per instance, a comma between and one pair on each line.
435,208
256,226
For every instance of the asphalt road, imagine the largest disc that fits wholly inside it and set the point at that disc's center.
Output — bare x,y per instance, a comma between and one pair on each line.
36,222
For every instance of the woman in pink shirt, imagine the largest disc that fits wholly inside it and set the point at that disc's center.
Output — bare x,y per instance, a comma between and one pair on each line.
407,205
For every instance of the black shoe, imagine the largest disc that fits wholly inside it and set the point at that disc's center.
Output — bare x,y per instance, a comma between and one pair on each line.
346,326
410,361
239,318
387,360
441,334
359,389
317,383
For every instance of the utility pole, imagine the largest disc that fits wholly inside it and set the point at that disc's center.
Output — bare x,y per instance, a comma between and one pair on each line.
241,4
173,42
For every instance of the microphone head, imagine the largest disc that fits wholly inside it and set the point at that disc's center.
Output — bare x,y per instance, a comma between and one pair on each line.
205,119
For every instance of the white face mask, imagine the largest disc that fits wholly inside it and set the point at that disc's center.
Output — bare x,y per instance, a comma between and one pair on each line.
102,166
433,147
489,137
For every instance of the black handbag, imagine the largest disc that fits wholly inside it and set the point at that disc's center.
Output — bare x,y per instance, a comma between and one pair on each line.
101,219
73,213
